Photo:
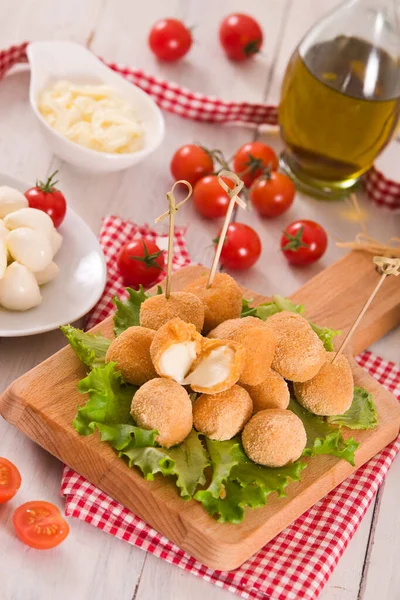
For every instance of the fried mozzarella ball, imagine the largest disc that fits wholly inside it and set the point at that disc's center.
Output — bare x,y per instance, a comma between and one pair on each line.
273,392
131,352
164,405
158,310
222,300
331,391
259,342
174,349
299,353
274,437
218,367
222,415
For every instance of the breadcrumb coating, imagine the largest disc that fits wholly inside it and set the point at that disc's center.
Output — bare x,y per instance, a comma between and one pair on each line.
223,415
158,310
274,437
222,300
131,352
331,391
235,361
299,353
175,333
164,405
273,392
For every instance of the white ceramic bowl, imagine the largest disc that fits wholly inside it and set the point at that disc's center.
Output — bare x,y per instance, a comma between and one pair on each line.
52,61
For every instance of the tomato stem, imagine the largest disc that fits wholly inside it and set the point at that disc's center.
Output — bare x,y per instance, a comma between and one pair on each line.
149,259
48,186
295,241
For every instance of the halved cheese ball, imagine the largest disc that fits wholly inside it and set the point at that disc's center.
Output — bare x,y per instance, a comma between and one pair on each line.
32,218
274,437
131,352
158,310
164,405
223,415
222,300
299,353
174,349
331,391
19,289
30,248
259,341
218,367
273,392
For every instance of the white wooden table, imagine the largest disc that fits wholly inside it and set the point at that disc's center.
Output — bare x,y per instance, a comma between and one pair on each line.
92,564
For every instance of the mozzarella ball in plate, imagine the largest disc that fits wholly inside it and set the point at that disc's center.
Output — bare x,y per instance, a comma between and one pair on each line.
48,274
55,240
19,289
32,218
164,405
273,392
3,230
223,415
3,258
222,300
11,200
218,367
30,248
131,352
258,340
331,391
274,437
299,353
158,310
174,349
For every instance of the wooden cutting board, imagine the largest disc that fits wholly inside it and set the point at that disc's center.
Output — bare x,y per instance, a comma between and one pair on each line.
42,404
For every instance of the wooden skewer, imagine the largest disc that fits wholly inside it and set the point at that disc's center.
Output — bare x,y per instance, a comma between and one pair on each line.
234,199
388,266
171,212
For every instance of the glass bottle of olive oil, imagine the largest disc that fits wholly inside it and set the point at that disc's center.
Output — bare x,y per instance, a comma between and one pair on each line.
340,98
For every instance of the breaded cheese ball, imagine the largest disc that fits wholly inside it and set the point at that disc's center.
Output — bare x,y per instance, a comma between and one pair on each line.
331,391
258,340
131,352
164,405
222,300
299,353
223,415
158,310
274,437
174,349
273,392
218,367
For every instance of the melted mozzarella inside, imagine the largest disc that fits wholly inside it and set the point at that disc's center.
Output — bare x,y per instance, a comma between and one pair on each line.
177,360
213,369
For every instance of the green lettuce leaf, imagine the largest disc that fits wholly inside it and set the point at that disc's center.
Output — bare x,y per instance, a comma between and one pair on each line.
127,313
90,349
361,414
230,507
109,400
326,336
120,436
224,456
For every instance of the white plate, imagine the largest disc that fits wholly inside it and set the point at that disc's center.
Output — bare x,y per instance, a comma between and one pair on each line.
77,288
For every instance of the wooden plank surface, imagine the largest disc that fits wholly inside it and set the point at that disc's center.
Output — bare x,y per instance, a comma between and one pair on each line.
136,194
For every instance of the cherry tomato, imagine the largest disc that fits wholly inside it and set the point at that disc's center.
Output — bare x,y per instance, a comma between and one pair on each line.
242,247
303,242
191,162
49,199
272,195
140,262
251,159
209,198
40,525
10,480
169,39
240,36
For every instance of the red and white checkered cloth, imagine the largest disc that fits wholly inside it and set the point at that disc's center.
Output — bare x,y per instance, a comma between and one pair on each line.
298,562
192,105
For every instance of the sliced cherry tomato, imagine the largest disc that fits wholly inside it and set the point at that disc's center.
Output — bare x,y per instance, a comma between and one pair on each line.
303,242
242,247
44,196
191,162
141,262
10,480
252,159
40,525
169,39
273,194
209,198
241,36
